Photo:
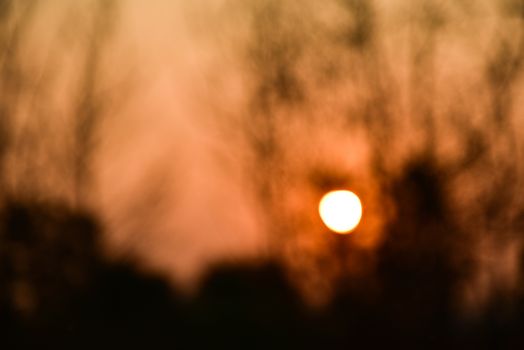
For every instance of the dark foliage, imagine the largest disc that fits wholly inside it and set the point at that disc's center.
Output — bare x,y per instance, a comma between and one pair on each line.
58,290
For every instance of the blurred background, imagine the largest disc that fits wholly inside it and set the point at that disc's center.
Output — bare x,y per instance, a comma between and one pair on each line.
161,166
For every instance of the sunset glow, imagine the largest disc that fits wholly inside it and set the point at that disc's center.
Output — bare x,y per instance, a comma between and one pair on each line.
340,211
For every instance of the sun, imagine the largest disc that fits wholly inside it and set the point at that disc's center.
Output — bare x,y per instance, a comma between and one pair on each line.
340,211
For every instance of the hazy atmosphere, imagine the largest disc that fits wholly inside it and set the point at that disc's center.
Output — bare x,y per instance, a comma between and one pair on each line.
191,142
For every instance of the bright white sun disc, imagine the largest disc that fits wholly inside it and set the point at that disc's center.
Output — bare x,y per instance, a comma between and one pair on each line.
340,211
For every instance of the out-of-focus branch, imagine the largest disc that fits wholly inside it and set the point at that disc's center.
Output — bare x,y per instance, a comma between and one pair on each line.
90,105
15,19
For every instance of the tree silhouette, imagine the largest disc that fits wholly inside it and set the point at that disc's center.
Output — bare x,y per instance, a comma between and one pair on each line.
406,121
436,263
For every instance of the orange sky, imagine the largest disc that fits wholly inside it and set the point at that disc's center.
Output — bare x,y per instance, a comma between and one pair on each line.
174,150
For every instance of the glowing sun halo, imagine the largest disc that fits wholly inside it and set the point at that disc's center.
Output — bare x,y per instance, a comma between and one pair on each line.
340,211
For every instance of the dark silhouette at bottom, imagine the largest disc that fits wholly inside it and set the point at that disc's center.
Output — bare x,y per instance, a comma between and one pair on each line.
58,291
